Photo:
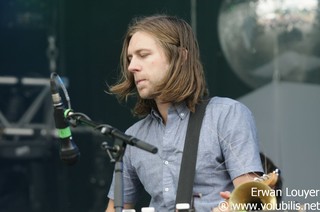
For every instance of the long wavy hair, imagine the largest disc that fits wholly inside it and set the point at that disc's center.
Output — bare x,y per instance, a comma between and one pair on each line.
185,80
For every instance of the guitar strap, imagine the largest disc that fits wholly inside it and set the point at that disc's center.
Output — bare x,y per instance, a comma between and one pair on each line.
189,157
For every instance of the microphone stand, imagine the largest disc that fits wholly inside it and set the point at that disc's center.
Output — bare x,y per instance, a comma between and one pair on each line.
115,152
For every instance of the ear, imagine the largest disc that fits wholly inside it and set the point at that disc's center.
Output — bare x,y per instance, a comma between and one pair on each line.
184,54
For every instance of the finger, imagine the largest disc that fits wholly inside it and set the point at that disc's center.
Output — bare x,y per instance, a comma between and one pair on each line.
225,194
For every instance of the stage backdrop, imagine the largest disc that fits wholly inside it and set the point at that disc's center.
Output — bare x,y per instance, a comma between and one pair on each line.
88,40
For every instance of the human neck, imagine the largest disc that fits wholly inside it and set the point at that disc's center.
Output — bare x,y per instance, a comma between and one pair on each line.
163,110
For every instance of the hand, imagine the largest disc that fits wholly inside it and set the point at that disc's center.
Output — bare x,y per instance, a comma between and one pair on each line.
223,206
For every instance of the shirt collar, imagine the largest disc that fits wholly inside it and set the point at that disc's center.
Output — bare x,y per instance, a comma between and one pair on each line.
180,109
154,114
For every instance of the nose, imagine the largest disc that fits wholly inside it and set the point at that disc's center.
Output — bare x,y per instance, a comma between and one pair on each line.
134,65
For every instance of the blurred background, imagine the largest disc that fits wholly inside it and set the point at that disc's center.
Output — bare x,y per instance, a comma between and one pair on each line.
264,53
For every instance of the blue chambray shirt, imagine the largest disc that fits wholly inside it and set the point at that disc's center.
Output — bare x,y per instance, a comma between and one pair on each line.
228,148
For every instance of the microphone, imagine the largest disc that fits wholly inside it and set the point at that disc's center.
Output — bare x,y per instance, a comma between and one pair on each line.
69,152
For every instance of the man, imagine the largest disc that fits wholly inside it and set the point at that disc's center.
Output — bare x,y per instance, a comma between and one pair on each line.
161,67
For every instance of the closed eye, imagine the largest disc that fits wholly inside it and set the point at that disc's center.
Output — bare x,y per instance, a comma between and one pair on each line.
140,54
143,55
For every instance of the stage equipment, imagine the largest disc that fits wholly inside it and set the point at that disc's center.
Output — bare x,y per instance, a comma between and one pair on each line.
69,151
19,125
26,143
265,40
120,139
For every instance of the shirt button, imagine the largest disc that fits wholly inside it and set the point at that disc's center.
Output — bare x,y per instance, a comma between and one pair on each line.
166,189
166,162
182,114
